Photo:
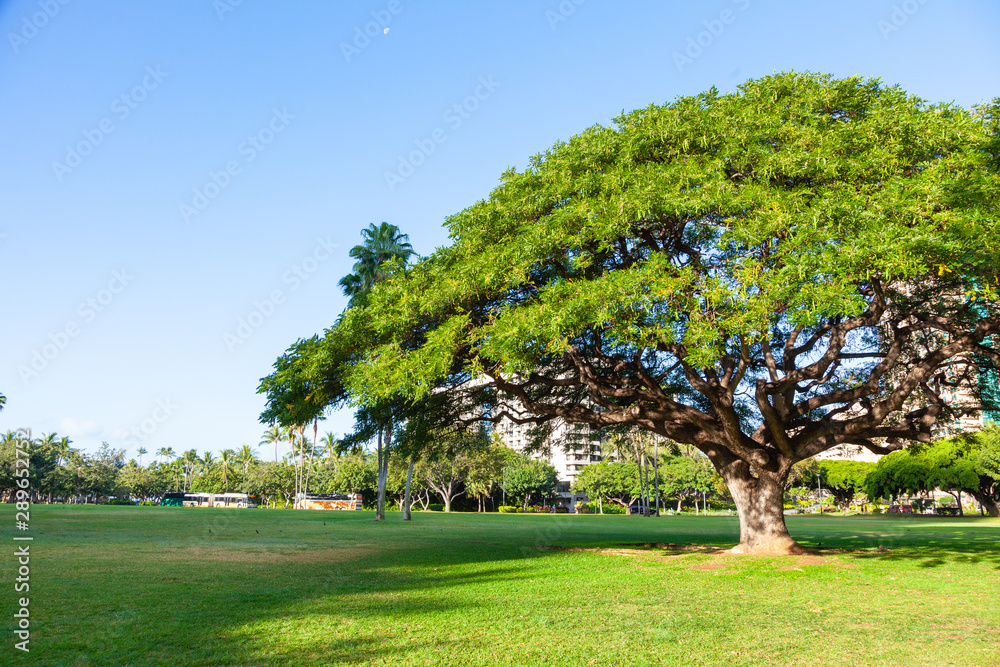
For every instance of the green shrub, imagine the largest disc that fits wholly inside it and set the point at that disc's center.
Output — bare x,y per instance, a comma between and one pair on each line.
435,507
117,501
149,503
609,508
509,509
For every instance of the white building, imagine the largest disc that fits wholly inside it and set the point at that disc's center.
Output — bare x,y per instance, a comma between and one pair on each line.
569,448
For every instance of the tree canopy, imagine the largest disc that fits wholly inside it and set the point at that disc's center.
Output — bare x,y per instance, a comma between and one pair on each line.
962,464
845,479
803,263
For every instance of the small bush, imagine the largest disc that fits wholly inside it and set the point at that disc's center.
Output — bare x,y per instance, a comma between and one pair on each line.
117,501
508,509
149,503
435,507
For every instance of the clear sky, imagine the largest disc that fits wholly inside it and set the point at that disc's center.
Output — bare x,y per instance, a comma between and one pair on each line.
181,181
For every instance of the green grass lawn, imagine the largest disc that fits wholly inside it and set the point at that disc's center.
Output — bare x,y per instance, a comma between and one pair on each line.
173,586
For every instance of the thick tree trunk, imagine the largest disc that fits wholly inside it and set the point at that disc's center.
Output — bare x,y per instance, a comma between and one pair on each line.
988,504
406,494
991,507
759,501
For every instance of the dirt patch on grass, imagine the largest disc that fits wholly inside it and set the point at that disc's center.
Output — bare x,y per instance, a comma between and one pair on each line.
672,548
644,549
812,560
597,550
800,561
622,552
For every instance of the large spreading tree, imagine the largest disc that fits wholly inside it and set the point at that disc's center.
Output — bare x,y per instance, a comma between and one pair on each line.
764,275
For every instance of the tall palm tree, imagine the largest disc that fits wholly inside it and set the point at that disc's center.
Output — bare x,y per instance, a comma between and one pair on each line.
63,450
245,457
273,435
329,444
381,244
142,451
207,461
190,458
226,456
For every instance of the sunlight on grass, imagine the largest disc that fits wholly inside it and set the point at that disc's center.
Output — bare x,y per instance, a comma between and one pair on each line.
301,588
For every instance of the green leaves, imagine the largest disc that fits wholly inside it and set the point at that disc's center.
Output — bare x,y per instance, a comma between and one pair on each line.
967,463
694,223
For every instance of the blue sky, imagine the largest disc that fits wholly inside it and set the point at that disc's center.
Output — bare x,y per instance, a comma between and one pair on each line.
182,181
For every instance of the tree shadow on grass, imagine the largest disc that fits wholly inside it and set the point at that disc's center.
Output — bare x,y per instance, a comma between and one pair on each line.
933,541
931,557
235,612
299,592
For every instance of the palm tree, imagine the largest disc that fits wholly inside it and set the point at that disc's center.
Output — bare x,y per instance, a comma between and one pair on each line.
245,457
63,450
190,458
166,453
381,244
329,444
142,451
289,432
273,435
226,457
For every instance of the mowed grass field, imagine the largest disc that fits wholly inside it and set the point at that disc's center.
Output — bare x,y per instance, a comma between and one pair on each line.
172,586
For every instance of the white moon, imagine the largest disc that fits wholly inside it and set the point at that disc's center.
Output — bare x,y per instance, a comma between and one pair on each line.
385,32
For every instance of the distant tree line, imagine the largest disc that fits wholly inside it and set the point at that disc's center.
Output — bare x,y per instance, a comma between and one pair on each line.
968,464
475,477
